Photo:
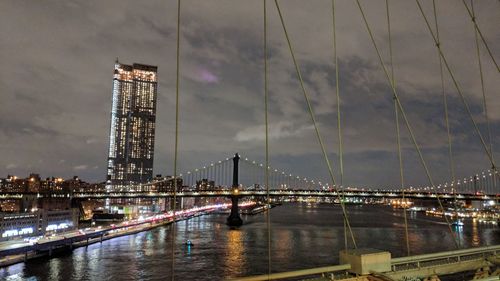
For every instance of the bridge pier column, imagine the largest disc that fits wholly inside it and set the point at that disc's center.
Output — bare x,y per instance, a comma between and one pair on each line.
234,218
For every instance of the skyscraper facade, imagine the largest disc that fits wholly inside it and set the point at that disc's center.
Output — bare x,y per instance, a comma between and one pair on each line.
132,132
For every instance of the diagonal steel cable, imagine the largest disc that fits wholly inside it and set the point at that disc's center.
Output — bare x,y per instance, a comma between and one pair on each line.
445,105
483,90
176,133
445,102
339,127
473,19
457,87
313,118
398,135
407,123
268,198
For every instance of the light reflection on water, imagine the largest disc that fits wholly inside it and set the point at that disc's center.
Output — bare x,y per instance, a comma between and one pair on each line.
476,240
234,258
302,237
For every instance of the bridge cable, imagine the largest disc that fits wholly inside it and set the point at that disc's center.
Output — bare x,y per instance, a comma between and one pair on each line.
398,135
445,105
478,30
483,91
311,113
403,114
176,133
268,198
337,91
457,87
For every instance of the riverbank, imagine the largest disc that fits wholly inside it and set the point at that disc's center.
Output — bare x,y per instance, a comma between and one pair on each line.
29,252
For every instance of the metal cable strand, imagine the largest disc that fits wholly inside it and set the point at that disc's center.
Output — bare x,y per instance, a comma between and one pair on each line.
483,90
403,114
445,105
473,19
445,102
176,133
311,113
268,198
337,91
398,135
457,87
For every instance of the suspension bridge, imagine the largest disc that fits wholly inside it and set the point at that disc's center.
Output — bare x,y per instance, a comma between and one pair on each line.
233,179
216,180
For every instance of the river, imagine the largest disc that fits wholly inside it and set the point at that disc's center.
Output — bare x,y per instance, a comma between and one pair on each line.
303,236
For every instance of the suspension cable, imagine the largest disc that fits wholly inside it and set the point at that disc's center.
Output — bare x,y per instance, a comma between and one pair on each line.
445,105
176,133
311,113
445,102
457,87
403,114
268,198
476,27
337,91
339,128
398,135
483,90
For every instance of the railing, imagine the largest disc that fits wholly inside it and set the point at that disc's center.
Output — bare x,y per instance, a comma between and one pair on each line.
397,264
427,260
296,273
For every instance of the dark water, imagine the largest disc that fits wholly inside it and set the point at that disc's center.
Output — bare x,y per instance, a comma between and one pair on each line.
302,237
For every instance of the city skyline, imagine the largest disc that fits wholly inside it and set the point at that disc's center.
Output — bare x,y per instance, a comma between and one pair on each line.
58,123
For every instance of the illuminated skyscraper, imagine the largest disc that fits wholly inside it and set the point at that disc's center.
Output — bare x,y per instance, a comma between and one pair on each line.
132,133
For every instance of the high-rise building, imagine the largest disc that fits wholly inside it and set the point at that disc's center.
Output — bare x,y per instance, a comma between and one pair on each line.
132,133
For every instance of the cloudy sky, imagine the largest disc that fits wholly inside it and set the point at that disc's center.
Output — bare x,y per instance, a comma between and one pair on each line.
57,65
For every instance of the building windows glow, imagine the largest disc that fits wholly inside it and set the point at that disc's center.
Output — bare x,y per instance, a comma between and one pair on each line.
132,130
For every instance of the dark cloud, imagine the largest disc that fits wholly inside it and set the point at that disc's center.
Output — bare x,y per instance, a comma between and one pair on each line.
57,60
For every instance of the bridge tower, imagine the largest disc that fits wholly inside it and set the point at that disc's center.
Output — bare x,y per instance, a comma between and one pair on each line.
234,218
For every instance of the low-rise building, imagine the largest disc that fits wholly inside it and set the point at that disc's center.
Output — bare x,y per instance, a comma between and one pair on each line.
18,224
39,222
58,220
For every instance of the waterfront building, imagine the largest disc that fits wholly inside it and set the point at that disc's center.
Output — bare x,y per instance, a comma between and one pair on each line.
132,130
18,225
58,220
39,222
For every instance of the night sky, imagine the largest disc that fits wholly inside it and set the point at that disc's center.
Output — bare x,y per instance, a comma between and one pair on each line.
56,74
